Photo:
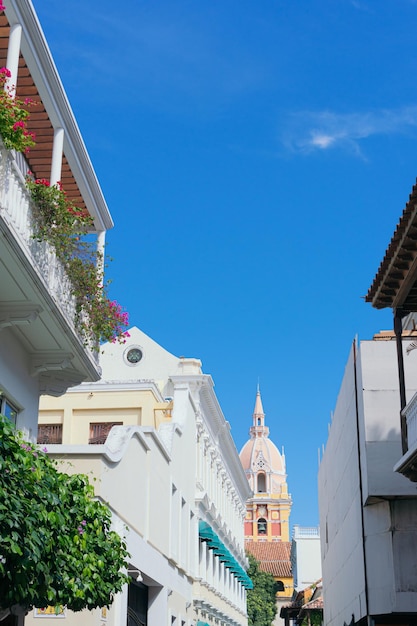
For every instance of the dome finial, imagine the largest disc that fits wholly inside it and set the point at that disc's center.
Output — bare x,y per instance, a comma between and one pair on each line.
258,413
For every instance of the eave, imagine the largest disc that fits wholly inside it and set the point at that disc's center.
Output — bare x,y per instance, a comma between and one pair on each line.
395,284
39,80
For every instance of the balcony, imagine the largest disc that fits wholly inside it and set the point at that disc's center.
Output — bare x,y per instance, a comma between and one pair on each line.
99,431
408,463
36,305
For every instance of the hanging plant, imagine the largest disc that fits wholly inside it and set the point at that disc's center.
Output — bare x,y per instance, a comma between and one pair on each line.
14,116
65,226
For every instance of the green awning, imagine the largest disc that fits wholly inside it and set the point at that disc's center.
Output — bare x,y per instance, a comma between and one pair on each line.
202,624
225,556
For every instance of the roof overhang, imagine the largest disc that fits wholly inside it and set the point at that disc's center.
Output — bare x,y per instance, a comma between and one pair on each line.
39,80
395,284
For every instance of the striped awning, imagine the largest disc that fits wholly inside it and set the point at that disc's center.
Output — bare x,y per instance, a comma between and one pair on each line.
206,533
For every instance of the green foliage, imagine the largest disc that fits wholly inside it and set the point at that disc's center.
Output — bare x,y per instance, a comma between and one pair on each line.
261,600
65,226
314,618
56,545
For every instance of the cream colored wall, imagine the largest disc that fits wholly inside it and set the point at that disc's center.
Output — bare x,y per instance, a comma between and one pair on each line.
77,410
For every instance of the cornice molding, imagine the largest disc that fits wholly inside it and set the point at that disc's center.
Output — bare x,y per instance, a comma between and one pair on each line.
50,361
18,314
56,383
116,444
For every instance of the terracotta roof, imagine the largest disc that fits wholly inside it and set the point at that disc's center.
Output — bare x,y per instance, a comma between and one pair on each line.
314,604
395,284
298,608
273,556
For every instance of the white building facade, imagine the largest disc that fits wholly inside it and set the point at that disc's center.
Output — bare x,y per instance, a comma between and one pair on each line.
368,513
305,556
41,351
166,464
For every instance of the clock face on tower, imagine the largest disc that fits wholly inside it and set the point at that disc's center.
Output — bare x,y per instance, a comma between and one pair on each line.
134,355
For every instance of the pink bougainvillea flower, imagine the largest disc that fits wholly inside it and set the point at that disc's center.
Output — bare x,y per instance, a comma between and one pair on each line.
5,71
42,181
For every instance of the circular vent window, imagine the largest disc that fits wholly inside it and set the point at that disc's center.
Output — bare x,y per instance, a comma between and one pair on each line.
134,355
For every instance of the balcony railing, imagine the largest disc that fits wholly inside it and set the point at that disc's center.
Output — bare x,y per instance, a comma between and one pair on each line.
49,433
16,212
99,431
410,414
301,532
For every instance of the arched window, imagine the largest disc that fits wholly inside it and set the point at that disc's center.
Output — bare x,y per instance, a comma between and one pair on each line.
261,526
280,585
261,483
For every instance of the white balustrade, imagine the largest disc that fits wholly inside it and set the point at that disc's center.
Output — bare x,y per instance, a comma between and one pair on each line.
410,413
301,532
16,212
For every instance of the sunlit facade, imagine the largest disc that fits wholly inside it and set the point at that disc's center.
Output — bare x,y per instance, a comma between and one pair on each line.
152,434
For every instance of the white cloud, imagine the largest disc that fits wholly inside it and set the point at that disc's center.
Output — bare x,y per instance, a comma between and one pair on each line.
307,131
322,141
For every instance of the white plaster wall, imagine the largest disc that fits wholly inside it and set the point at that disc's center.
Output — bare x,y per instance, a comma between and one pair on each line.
153,486
184,526
379,558
380,406
340,513
308,561
138,488
157,363
340,498
16,382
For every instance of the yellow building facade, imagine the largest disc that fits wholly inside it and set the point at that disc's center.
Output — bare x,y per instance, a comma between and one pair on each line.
268,510
267,532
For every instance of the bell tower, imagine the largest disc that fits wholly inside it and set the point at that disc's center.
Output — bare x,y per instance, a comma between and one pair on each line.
268,511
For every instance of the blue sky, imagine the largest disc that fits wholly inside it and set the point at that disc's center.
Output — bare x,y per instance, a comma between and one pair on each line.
256,157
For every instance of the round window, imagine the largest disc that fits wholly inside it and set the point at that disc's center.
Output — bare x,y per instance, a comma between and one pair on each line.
134,355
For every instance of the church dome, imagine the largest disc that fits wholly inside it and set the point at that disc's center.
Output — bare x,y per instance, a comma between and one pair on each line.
260,455
261,450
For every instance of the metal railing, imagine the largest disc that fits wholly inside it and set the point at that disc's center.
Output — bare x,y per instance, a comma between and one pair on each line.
49,433
99,431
